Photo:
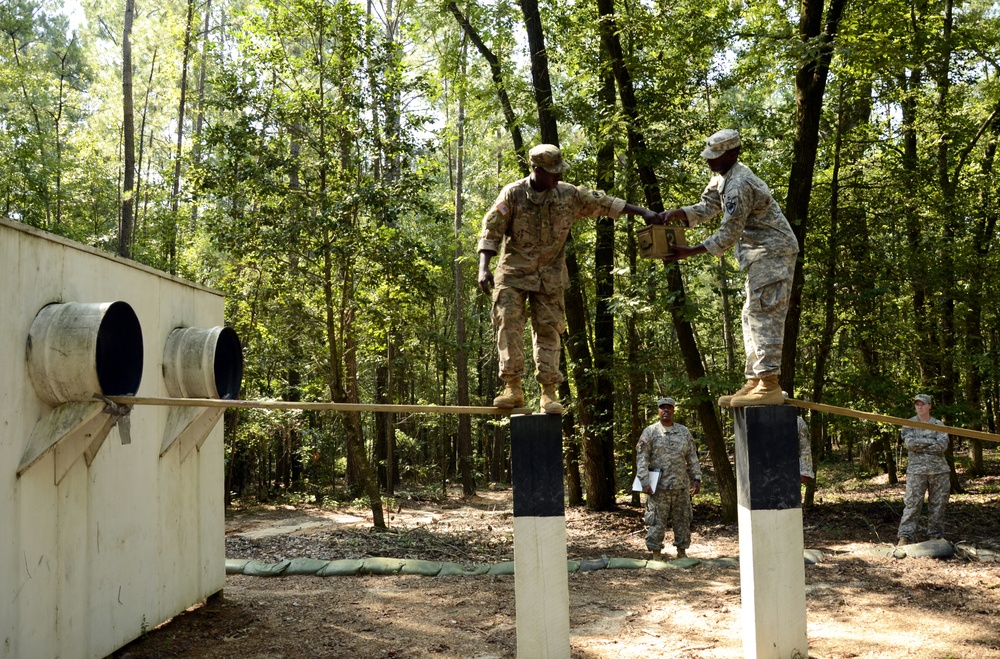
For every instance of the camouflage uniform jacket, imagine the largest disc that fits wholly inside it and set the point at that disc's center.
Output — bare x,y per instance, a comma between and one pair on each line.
751,217
926,449
670,449
533,226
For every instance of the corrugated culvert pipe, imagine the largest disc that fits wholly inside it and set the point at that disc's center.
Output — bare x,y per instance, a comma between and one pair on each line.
78,350
203,363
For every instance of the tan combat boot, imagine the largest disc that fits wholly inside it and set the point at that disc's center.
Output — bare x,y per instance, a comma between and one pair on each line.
744,390
767,392
512,396
550,400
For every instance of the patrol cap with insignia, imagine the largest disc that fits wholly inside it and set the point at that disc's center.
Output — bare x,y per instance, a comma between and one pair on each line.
548,157
923,398
720,142
665,401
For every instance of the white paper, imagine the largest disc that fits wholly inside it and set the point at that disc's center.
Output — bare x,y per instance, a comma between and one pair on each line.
654,478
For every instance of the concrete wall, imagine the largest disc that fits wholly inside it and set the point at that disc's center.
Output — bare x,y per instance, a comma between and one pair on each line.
121,545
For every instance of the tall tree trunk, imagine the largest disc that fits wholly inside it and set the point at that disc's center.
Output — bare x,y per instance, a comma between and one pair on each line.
600,496
810,85
540,72
176,187
461,352
724,474
604,285
510,119
984,238
125,228
574,485
199,122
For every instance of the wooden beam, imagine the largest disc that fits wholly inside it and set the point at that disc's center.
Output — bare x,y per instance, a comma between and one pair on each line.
335,407
881,418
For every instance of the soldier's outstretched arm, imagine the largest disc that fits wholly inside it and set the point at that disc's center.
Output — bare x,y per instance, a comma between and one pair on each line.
651,217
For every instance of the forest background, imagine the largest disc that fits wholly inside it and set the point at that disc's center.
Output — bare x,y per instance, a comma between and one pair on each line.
326,165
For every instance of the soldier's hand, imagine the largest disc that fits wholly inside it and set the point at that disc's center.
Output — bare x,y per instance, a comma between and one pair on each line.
652,217
674,216
696,488
678,252
485,280
647,490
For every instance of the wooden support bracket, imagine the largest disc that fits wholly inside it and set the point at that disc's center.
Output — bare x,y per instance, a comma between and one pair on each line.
71,430
189,427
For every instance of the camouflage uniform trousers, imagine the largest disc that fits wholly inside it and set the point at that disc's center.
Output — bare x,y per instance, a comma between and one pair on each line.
768,291
548,313
938,488
673,506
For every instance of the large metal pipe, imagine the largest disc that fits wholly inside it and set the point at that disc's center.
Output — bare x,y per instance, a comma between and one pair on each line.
203,363
79,350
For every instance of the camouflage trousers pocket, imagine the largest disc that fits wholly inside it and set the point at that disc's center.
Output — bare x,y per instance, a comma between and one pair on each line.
650,517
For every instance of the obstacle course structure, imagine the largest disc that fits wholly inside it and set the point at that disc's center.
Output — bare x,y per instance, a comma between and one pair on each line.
113,518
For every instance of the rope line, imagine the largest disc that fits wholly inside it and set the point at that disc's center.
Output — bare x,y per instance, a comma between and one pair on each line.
337,407
882,418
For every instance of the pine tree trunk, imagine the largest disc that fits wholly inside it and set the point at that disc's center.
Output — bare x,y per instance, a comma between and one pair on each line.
126,226
810,87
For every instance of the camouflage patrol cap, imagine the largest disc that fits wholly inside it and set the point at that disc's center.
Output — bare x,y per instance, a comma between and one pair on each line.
720,142
665,401
548,157
923,398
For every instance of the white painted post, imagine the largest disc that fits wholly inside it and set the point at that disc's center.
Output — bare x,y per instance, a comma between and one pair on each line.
541,583
772,568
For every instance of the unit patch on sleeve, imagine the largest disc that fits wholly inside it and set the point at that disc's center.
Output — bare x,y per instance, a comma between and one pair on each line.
731,203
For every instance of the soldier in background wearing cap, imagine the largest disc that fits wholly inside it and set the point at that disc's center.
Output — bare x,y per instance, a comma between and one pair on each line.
926,471
531,220
668,447
766,249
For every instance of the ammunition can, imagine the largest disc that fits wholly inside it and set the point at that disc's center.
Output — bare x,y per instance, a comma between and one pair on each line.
656,241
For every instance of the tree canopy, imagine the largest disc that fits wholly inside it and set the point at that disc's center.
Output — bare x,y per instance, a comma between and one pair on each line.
303,157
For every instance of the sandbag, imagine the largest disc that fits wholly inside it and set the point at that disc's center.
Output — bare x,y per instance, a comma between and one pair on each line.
345,567
449,569
258,569
420,567
381,566
305,566
236,565
502,568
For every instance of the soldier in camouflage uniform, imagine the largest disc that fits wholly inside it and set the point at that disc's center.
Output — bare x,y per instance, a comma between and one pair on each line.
669,447
766,249
926,470
531,220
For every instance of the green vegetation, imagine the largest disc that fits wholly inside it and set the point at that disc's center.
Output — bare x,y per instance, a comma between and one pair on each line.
303,157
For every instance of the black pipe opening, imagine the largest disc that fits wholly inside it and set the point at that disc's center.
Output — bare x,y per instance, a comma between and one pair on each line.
228,364
119,351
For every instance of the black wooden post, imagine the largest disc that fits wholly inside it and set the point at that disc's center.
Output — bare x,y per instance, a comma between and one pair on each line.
541,584
772,568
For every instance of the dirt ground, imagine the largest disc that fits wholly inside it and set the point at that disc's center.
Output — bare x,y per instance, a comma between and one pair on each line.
859,603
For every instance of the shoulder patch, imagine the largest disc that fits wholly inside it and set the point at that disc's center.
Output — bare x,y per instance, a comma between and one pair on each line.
731,203
502,208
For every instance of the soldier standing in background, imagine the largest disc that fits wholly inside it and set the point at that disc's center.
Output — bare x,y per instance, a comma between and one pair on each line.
766,249
531,219
668,447
926,471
